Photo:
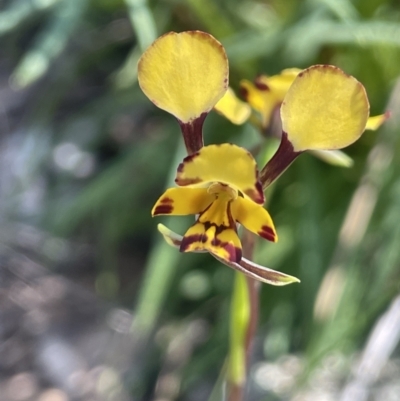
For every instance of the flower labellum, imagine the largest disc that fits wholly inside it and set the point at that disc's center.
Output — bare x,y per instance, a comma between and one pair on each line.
220,184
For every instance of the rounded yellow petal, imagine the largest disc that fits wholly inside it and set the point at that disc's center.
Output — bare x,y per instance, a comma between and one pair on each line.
232,108
324,109
226,163
182,201
254,217
184,73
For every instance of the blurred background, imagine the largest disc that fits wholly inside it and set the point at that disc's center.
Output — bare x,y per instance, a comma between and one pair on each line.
93,305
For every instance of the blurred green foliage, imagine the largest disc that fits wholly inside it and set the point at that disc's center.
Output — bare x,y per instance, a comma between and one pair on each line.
73,65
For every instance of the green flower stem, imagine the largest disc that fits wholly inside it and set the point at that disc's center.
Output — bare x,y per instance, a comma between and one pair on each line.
244,319
240,319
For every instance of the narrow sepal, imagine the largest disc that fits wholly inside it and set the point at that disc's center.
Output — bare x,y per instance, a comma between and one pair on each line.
182,201
254,217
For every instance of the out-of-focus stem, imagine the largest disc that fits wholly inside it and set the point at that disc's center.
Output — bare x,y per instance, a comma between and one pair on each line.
248,242
244,319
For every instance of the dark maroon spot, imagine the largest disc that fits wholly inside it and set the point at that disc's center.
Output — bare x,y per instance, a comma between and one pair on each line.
180,167
244,93
175,241
267,233
189,159
163,209
259,190
186,160
225,80
235,254
182,182
256,195
189,240
300,74
167,200
261,85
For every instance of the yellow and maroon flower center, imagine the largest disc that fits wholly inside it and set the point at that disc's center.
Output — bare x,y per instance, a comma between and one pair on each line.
222,191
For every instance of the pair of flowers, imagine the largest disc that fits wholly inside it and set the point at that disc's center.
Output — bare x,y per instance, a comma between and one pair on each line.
186,74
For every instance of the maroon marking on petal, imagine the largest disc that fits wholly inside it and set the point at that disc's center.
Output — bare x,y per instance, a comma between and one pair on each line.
235,254
262,86
186,160
300,74
267,233
182,182
189,158
244,93
167,200
190,239
175,241
256,195
163,209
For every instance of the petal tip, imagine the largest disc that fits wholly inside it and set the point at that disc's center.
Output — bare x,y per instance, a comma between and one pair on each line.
268,233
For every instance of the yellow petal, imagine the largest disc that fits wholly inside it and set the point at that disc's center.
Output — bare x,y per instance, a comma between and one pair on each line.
254,217
261,100
267,93
182,201
375,122
278,84
184,73
220,241
226,163
324,109
232,108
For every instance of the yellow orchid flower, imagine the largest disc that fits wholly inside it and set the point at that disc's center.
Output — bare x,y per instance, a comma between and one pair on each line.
220,184
186,74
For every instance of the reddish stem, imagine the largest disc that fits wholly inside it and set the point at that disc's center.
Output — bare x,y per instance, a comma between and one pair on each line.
193,134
